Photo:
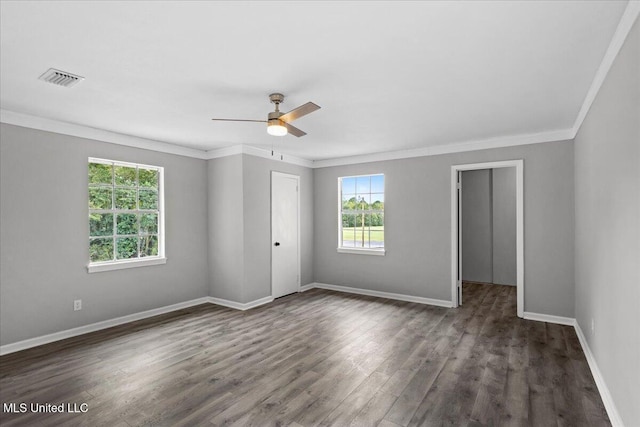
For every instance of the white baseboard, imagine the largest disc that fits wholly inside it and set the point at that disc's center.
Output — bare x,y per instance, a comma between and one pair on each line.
239,305
305,288
607,399
570,321
380,294
69,333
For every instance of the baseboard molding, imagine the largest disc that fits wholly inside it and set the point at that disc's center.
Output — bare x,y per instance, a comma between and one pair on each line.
569,321
239,305
93,327
305,288
607,399
380,294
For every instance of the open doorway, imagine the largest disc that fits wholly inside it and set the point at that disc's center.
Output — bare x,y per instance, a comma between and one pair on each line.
491,262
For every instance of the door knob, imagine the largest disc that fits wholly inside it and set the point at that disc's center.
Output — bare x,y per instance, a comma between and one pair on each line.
276,244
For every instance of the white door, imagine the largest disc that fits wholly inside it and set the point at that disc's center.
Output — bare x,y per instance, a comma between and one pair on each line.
285,221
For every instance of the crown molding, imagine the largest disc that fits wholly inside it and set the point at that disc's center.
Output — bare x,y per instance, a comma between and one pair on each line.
258,152
65,128
622,31
50,125
483,144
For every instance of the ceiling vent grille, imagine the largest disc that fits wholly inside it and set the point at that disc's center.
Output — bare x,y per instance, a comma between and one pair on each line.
60,78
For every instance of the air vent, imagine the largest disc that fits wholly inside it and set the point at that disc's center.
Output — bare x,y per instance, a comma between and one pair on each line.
60,78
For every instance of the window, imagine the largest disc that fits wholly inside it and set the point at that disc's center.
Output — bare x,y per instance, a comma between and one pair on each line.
125,215
361,224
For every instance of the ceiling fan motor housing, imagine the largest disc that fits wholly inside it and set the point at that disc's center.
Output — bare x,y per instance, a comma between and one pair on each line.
275,115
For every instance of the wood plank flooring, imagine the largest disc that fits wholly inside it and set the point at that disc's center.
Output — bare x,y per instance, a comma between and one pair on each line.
316,358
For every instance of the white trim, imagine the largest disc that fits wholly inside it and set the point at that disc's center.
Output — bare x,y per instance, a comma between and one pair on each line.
307,287
297,179
239,305
380,294
607,399
484,144
65,128
622,31
519,165
121,265
93,327
549,318
362,251
257,152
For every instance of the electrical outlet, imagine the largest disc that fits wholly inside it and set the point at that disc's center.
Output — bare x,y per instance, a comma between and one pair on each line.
593,326
77,305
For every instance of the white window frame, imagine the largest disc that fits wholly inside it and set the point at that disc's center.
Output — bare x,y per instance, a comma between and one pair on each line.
358,251
96,267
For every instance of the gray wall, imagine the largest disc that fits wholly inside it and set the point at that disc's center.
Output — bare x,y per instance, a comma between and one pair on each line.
477,224
418,226
504,226
226,228
44,243
607,236
240,225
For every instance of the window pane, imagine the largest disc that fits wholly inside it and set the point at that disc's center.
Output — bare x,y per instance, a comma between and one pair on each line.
100,224
148,178
125,198
348,202
125,176
148,199
362,231
377,184
148,223
99,198
377,237
100,173
127,247
364,201
377,201
348,185
127,224
101,249
363,184
348,236
148,246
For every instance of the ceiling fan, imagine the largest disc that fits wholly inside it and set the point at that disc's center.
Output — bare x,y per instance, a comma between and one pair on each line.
278,123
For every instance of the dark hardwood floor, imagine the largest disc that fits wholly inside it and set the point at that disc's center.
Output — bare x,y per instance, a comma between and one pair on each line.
316,358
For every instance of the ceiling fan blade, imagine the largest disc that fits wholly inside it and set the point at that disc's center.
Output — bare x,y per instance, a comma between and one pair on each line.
294,130
239,120
302,110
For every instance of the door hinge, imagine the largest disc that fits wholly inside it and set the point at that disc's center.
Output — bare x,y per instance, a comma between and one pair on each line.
458,185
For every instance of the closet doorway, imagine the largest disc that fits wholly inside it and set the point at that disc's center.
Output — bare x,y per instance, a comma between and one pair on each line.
491,211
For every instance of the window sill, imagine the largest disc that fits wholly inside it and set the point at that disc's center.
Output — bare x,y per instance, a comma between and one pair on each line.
363,251
121,265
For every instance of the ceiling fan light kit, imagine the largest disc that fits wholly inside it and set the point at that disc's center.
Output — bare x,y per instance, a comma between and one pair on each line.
278,123
275,128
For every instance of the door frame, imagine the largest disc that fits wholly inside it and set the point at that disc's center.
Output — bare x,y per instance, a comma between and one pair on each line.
297,179
455,245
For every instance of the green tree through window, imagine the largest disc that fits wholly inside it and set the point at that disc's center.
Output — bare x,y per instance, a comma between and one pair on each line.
362,212
124,211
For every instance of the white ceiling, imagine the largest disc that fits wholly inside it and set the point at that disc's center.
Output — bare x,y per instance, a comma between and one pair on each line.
388,75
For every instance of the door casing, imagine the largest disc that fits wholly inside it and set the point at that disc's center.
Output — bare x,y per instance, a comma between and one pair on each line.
455,237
